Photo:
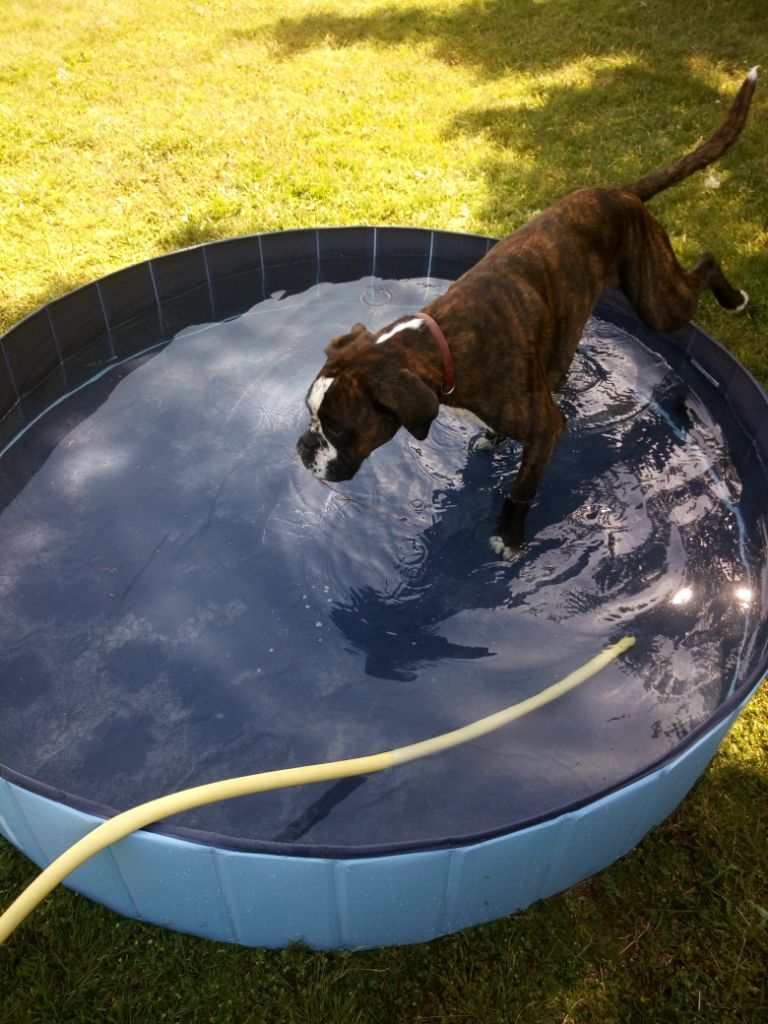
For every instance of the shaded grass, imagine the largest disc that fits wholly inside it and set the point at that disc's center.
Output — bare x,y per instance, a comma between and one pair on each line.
127,130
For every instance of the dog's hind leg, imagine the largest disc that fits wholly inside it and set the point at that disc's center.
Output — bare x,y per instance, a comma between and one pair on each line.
662,291
710,273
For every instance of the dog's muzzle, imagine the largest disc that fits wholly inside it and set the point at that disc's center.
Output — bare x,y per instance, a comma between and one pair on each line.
323,460
309,446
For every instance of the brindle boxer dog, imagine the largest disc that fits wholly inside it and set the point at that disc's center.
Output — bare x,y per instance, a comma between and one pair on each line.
502,337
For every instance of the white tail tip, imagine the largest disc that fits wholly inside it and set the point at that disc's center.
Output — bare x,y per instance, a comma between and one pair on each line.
742,305
752,76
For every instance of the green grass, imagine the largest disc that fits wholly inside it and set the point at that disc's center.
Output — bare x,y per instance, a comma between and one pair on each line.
128,128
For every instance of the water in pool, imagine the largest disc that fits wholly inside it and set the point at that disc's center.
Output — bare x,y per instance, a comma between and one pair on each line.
181,601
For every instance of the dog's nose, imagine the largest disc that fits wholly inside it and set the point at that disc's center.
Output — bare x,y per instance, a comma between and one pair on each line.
308,446
310,441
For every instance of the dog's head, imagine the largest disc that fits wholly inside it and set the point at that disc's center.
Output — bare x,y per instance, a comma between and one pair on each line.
359,400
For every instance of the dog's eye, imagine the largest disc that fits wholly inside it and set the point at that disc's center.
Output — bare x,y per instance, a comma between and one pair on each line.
333,432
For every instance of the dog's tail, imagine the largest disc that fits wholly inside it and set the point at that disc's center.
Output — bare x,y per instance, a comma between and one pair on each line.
707,152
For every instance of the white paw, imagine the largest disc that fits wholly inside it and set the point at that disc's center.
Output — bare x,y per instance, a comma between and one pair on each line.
484,444
744,303
498,547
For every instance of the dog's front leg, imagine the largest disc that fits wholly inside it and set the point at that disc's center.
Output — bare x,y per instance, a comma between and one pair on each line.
537,453
489,441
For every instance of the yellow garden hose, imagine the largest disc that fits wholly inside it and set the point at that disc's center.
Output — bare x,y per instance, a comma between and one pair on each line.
123,824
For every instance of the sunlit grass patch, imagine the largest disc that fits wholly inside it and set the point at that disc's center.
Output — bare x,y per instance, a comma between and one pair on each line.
129,128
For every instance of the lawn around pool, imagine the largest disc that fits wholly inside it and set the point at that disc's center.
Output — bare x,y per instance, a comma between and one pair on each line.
129,129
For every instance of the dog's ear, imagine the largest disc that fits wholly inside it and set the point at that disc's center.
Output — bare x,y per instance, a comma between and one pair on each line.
409,399
346,339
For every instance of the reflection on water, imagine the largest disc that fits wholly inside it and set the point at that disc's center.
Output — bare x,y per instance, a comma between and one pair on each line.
181,601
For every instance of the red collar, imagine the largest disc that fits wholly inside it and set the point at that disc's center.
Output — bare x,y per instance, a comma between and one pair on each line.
449,379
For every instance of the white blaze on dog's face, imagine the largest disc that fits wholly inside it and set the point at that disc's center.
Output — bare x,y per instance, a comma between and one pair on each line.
325,453
358,402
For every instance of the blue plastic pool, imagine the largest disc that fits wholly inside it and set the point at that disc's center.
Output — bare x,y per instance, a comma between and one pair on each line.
180,601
